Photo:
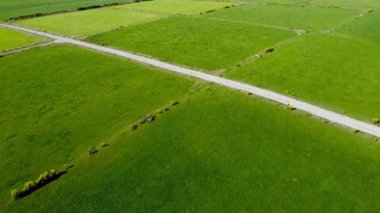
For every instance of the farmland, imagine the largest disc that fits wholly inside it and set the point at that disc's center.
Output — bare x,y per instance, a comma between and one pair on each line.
330,80
51,121
11,39
81,24
363,28
202,155
311,18
11,9
195,42
190,106
184,7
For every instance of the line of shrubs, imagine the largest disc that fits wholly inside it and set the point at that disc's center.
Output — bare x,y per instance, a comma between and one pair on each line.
152,117
35,15
42,180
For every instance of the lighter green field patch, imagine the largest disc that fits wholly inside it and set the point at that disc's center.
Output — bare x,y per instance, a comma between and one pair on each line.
184,7
11,39
333,72
83,23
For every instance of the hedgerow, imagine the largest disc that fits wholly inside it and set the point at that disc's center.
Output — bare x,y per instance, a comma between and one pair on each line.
42,180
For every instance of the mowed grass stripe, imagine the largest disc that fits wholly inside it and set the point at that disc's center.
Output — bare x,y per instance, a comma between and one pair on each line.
333,72
12,39
58,101
219,151
200,43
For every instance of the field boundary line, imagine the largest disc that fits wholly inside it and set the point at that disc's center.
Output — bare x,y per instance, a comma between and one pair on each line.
22,49
264,93
251,24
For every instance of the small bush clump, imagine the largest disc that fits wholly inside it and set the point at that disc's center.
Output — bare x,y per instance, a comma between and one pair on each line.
150,118
269,50
173,103
104,144
42,180
290,107
134,127
92,151
376,121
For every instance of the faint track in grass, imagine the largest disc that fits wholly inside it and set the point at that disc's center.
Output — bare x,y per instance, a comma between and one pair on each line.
267,94
18,50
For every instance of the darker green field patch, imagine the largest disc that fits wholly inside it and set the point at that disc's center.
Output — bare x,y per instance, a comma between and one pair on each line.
16,8
219,151
60,100
194,42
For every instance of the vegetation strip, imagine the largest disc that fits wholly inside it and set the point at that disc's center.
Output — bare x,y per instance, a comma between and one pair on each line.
282,99
42,180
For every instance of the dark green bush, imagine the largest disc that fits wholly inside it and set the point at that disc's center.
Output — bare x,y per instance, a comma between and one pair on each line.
41,181
92,151
173,103
376,121
269,50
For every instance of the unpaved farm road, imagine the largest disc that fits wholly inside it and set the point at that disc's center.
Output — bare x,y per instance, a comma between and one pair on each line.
267,94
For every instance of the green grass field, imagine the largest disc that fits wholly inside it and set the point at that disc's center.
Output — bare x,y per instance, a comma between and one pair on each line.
307,18
350,4
334,72
56,102
209,149
218,152
11,39
15,8
81,24
195,42
84,23
183,7
364,28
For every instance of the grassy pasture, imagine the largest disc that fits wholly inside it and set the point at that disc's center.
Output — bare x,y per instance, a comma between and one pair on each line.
15,8
338,73
195,42
364,28
11,39
56,102
219,151
307,18
83,23
351,4
183,7
361,4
